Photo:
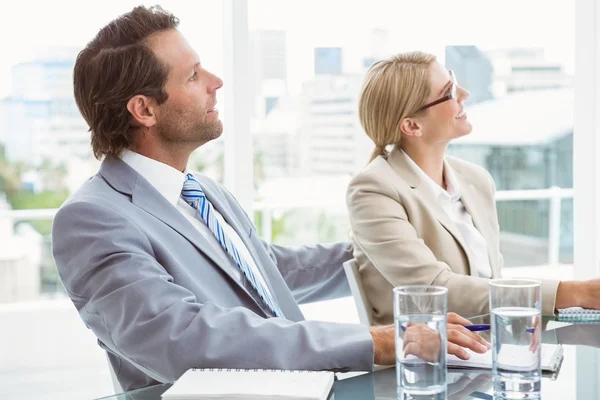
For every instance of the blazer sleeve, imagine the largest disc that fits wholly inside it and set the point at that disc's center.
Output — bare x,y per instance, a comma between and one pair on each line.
382,230
135,308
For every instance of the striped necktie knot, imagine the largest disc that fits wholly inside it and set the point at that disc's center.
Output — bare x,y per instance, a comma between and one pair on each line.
192,192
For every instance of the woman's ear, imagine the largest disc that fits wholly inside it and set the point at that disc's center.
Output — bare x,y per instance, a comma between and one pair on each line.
410,127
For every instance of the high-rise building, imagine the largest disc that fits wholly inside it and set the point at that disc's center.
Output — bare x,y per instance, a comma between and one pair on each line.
377,47
275,142
524,69
273,117
42,121
473,70
378,42
328,61
268,64
332,140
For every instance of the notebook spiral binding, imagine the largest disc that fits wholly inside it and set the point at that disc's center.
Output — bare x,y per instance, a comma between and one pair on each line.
579,315
579,312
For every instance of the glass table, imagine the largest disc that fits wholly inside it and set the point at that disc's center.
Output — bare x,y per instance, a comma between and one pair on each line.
577,379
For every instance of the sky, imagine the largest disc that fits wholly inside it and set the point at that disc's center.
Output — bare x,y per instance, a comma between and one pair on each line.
429,25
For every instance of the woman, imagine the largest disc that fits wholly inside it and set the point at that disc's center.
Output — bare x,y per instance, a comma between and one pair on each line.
419,216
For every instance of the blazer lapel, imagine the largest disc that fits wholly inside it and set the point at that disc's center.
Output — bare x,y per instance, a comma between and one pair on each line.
398,161
126,180
473,203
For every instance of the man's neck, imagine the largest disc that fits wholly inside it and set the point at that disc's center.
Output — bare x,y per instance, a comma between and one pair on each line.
177,160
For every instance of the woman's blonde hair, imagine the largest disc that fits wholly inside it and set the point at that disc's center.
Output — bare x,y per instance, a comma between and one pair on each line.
393,89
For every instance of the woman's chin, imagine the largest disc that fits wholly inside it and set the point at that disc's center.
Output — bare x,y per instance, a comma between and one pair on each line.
465,128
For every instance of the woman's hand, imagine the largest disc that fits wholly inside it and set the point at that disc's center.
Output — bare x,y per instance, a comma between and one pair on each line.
424,342
584,294
460,337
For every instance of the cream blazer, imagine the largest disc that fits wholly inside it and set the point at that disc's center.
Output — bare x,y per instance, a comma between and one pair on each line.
402,236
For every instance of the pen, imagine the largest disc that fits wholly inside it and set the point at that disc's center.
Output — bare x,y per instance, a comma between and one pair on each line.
478,328
481,327
487,327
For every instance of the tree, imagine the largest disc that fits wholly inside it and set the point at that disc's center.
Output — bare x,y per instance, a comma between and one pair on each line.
277,226
10,174
53,175
20,198
27,200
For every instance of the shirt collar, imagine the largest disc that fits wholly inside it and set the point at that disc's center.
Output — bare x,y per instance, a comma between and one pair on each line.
166,179
453,191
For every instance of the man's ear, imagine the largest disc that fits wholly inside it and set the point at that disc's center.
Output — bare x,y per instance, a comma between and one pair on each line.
142,110
410,127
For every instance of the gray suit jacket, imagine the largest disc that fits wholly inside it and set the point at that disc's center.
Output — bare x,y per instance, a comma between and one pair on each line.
162,299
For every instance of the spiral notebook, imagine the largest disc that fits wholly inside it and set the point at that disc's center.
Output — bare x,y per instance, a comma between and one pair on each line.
578,314
552,355
213,383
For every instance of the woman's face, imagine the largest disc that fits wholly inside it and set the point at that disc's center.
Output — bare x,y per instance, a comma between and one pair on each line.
447,120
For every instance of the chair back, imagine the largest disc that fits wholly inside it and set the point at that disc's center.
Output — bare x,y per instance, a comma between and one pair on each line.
360,299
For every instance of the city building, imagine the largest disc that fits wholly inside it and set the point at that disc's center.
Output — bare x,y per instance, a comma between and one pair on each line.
473,70
275,142
268,67
332,141
525,69
42,121
328,61
41,124
377,47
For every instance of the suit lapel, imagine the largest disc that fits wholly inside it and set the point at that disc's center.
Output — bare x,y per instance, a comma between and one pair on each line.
124,179
229,216
473,203
398,161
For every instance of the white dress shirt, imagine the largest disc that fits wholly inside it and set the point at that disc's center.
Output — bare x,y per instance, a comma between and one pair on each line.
451,203
169,182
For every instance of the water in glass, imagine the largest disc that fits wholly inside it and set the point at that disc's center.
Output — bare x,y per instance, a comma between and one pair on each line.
414,375
516,342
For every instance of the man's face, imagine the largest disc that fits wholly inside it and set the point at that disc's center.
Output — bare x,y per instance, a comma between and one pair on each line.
189,115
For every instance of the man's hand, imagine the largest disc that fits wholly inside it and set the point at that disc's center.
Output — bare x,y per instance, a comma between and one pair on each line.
384,344
424,342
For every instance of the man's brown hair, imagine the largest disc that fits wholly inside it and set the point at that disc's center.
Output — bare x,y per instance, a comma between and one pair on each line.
115,66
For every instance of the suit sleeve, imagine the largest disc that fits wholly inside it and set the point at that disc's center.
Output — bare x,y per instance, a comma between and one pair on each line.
313,273
135,308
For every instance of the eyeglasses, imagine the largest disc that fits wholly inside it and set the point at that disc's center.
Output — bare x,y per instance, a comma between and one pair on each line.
451,94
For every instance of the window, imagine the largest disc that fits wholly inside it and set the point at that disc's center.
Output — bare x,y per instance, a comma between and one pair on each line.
521,102
306,78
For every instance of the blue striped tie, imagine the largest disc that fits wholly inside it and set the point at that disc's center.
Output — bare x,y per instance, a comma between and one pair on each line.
193,194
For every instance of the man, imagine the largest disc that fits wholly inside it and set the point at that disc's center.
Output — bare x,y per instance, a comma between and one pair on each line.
163,264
